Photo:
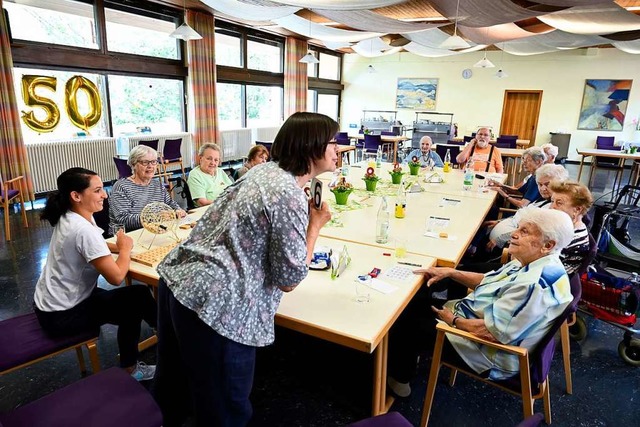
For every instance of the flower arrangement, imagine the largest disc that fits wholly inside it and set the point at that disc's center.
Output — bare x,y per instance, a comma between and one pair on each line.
414,165
371,179
396,173
341,191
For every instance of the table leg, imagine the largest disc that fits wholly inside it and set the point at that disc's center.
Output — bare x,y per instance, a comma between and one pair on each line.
339,162
380,402
395,151
580,170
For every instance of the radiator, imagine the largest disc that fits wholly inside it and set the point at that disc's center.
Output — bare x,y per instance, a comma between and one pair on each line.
236,143
186,149
266,134
49,159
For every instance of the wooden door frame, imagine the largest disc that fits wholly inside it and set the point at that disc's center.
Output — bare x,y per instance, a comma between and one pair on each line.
504,105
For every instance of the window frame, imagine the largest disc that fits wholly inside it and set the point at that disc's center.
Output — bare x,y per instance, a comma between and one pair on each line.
243,93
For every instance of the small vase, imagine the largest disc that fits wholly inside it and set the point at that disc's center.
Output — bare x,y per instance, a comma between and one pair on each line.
413,170
371,185
396,178
341,197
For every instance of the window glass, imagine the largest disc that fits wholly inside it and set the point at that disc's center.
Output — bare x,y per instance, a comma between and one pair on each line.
329,67
328,104
312,69
140,35
264,106
228,49
63,22
229,100
264,55
311,100
138,102
47,101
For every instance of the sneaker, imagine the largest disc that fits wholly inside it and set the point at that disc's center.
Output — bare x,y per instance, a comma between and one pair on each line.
143,372
398,388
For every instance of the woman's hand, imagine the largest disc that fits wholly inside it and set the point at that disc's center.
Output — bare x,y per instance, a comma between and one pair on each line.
492,244
434,274
318,217
181,213
123,242
445,314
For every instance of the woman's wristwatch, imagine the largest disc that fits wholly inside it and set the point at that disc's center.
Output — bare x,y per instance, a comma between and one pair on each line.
453,322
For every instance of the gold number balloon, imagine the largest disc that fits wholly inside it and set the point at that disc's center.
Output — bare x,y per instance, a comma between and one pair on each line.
29,85
71,89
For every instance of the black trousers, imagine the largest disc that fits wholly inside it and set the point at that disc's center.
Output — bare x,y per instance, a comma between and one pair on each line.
414,332
125,307
198,370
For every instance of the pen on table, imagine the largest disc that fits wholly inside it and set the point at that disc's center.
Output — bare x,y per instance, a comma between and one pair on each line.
451,200
409,263
439,217
356,166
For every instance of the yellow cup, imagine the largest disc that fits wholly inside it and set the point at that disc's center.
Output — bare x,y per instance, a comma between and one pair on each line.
401,248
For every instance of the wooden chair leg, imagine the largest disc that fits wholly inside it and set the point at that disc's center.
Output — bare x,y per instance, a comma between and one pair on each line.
83,368
566,356
546,401
7,228
452,377
92,347
525,387
433,379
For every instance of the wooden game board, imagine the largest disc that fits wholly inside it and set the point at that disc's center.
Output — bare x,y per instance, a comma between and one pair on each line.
153,256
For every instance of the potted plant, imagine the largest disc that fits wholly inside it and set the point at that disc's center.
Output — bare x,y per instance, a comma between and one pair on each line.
371,179
342,191
396,174
414,166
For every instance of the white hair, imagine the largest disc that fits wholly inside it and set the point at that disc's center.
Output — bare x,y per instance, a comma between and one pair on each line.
550,149
138,152
553,224
536,154
553,172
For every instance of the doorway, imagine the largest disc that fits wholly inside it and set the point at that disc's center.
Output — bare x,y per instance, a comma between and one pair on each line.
520,113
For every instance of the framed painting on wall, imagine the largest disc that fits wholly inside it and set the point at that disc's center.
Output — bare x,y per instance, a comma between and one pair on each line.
604,104
417,94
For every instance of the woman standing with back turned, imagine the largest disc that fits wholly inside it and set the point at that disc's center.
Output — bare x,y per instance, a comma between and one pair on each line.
220,289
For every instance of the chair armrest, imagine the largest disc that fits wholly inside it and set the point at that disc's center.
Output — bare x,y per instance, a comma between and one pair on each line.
505,210
17,178
518,351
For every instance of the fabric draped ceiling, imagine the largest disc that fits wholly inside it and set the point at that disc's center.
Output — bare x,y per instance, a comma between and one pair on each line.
13,154
295,77
202,81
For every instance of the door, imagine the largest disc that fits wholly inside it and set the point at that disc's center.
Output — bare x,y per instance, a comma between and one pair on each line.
520,114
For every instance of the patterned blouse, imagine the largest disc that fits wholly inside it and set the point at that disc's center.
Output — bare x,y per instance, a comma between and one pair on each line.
518,305
575,252
251,241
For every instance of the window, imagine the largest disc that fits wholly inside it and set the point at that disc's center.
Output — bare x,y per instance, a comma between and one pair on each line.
329,67
229,97
264,106
311,100
139,101
328,104
228,48
52,116
140,35
265,55
62,22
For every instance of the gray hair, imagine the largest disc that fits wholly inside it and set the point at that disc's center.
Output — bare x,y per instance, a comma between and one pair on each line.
550,150
553,224
139,152
210,145
554,172
536,154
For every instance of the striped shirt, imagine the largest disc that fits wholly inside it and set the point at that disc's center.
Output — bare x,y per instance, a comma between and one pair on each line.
575,252
518,305
127,199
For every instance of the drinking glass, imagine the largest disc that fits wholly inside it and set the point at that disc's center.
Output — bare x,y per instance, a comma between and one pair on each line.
115,227
363,289
401,248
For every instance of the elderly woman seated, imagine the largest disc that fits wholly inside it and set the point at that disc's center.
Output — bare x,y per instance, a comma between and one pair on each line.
514,305
501,230
130,195
532,159
575,200
551,151
206,181
257,155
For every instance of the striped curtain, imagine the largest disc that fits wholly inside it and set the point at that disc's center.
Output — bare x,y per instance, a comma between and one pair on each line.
13,154
202,81
295,77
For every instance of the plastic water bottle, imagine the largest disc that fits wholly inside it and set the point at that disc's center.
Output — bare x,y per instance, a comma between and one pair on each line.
379,157
467,183
382,223
447,161
345,170
401,202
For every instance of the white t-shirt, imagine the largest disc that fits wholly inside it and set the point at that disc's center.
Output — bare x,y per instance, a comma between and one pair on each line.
68,277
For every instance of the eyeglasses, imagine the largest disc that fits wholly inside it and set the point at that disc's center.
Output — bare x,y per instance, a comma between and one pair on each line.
148,162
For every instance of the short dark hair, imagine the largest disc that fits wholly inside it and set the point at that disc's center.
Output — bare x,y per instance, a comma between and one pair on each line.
302,139
256,151
59,202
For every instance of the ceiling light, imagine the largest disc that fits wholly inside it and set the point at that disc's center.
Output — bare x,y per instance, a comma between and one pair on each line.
484,63
184,31
501,74
371,70
455,41
309,59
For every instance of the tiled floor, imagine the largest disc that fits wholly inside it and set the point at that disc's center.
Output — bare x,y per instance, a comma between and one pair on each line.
305,382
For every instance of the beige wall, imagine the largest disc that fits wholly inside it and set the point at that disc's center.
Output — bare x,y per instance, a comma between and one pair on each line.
478,100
